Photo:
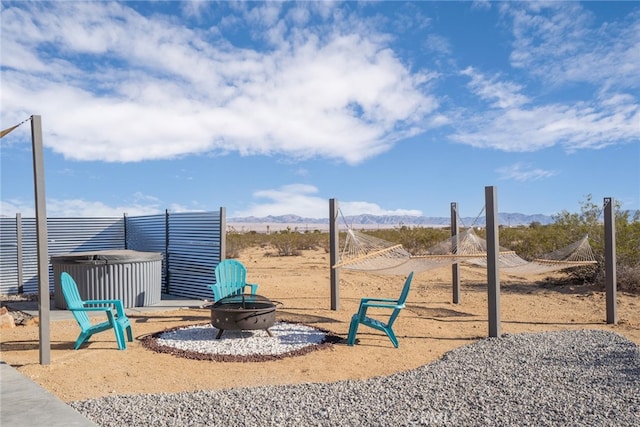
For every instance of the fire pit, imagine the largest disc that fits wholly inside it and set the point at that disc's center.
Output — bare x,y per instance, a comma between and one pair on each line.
238,312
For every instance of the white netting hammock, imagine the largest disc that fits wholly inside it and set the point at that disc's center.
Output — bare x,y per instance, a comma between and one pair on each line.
368,253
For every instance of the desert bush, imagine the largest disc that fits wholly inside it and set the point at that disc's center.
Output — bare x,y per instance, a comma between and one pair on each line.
537,240
416,240
291,242
530,242
237,241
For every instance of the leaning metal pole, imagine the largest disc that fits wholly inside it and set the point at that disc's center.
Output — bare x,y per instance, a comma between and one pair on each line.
493,251
44,300
333,254
610,260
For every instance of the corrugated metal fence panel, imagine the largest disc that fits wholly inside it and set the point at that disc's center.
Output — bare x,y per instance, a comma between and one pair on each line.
194,251
147,233
8,256
73,235
29,257
68,235
82,235
194,247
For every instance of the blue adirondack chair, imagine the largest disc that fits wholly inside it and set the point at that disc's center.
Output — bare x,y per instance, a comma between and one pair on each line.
387,303
231,279
118,322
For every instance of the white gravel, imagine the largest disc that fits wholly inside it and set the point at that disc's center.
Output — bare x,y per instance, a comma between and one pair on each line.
287,337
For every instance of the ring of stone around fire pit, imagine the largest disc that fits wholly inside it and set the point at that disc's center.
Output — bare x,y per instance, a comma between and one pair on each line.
151,342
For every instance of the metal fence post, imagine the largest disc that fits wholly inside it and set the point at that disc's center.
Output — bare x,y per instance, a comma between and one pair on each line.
167,273
610,260
19,263
333,254
455,267
44,300
493,252
223,233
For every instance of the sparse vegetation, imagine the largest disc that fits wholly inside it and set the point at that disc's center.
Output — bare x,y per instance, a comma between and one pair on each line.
529,242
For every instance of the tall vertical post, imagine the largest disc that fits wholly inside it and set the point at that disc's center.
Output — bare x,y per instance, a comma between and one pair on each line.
455,267
19,263
610,260
223,233
167,270
333,254
44,300
493,252
125,227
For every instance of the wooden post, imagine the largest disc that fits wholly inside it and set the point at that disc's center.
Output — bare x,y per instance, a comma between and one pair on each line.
610,260
333,254
493,252
455,267
44,299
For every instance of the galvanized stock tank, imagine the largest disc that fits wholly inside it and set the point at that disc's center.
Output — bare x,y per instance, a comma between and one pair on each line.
133,277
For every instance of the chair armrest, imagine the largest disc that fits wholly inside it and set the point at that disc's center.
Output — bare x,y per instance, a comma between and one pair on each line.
105,309
367,300
382,305
253,286
115,302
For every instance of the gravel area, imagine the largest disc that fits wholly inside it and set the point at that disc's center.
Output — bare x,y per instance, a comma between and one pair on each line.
199,342
566,378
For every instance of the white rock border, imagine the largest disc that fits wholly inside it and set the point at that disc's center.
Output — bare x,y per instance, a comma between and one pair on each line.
199,342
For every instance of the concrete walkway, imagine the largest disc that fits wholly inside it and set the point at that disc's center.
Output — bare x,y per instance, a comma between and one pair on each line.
24,403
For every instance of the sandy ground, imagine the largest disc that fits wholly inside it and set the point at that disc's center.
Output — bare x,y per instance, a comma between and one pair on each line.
430,326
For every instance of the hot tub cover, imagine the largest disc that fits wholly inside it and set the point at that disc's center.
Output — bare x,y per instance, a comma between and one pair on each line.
115,256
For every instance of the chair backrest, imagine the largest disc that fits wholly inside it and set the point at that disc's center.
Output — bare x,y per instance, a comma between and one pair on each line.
73,300
401,300
405,289
231,277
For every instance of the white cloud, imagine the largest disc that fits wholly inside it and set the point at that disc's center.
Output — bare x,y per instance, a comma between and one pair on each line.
523,172
87,208
438,44
67,208
509,124
75,208
300,199
149,88
358,208
558,42
293,199
296,199
9,208
501,94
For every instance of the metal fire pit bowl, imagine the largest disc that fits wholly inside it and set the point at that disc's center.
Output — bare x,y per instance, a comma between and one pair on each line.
239,312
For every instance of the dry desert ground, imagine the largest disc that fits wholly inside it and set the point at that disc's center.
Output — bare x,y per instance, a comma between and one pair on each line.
430,326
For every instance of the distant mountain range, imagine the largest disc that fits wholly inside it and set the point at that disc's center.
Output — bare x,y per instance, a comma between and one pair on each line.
390,221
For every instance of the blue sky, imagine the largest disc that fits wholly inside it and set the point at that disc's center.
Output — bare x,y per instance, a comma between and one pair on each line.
274,108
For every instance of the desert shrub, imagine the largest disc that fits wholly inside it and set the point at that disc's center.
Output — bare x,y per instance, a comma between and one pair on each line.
530,242
628,278
285,244
237,241
291,242
570,227
416,240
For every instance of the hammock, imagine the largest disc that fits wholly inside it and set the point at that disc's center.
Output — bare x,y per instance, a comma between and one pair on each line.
368,253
